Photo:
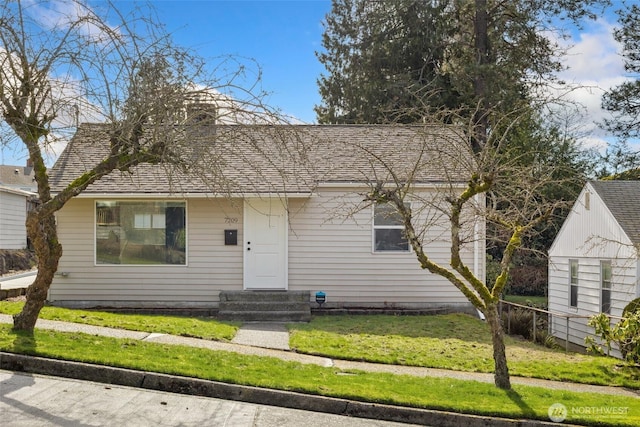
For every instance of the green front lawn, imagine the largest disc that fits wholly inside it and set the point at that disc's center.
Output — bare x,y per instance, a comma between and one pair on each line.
456,341
435,393
207,328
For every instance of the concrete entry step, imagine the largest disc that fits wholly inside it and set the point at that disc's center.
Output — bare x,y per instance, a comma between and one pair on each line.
265,306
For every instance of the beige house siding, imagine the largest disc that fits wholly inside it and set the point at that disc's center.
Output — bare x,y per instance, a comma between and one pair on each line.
211,266
329,249
13,214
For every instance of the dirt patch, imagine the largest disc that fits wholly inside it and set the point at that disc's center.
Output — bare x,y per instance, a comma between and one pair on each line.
12,261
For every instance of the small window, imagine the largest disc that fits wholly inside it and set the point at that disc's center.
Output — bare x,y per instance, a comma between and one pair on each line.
587,200
388,229
573,283
605,284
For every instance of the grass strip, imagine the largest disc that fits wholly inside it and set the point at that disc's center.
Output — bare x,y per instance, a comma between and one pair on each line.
197,327
455,341
434,393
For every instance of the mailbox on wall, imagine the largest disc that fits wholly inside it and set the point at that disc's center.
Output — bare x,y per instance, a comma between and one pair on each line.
231,237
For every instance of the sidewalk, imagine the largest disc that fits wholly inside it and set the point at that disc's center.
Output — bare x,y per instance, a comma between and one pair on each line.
271,339
17,281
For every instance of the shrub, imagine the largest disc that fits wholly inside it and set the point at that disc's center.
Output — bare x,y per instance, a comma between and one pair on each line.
528,280
625,334
518,321
632,307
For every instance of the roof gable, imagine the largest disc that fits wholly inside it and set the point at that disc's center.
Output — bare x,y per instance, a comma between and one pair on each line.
276,159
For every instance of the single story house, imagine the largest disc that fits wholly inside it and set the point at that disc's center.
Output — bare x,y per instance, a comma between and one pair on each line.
270,208
593,262
14,205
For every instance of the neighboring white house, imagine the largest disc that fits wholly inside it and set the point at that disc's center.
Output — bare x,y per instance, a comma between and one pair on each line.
14,205
593,262
279,208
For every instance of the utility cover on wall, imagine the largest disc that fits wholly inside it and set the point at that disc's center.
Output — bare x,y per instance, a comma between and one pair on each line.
231,237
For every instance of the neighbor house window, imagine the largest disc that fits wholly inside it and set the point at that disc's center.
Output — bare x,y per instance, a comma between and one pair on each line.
605,287
140,232
388,229
573,283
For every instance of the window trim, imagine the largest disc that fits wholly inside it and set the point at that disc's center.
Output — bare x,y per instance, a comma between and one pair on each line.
573,284
139,200
375,227
608,289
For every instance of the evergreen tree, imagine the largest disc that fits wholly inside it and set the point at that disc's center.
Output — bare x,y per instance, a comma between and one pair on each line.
624,100
384,61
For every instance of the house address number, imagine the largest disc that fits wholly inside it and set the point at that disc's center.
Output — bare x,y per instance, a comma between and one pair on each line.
230,220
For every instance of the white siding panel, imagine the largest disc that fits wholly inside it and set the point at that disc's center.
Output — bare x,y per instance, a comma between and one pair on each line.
590,235
592,232
589,294
13,214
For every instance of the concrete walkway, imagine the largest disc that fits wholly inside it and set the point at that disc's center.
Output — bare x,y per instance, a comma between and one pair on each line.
271,339
17,281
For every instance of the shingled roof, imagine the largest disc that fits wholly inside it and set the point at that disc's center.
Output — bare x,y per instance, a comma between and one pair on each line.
236,159
622,198
21,177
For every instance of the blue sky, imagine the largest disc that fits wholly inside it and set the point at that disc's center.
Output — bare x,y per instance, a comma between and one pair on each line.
283,36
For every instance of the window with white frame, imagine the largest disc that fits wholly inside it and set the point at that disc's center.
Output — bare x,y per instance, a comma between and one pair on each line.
573,283
388,229
140,232
605,287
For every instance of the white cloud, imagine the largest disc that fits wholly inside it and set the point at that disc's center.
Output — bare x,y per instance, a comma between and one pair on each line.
62,14
594,65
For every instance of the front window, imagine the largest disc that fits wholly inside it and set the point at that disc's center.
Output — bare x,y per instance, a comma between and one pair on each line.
573,283
605,279
388,229
140,232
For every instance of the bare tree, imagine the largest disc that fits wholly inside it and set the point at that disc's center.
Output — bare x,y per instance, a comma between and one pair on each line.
63,62
496,185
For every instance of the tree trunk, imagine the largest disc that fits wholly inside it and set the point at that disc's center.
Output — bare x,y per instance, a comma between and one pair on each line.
499,355
42,230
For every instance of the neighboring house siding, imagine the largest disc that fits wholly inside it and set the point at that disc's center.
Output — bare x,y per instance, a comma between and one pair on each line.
330,250
211,266
592,232
589,236
13,214
589,297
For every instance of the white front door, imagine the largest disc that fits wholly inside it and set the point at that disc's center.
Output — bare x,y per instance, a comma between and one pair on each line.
265,244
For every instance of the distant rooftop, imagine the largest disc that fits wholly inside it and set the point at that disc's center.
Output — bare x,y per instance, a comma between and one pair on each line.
18,177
